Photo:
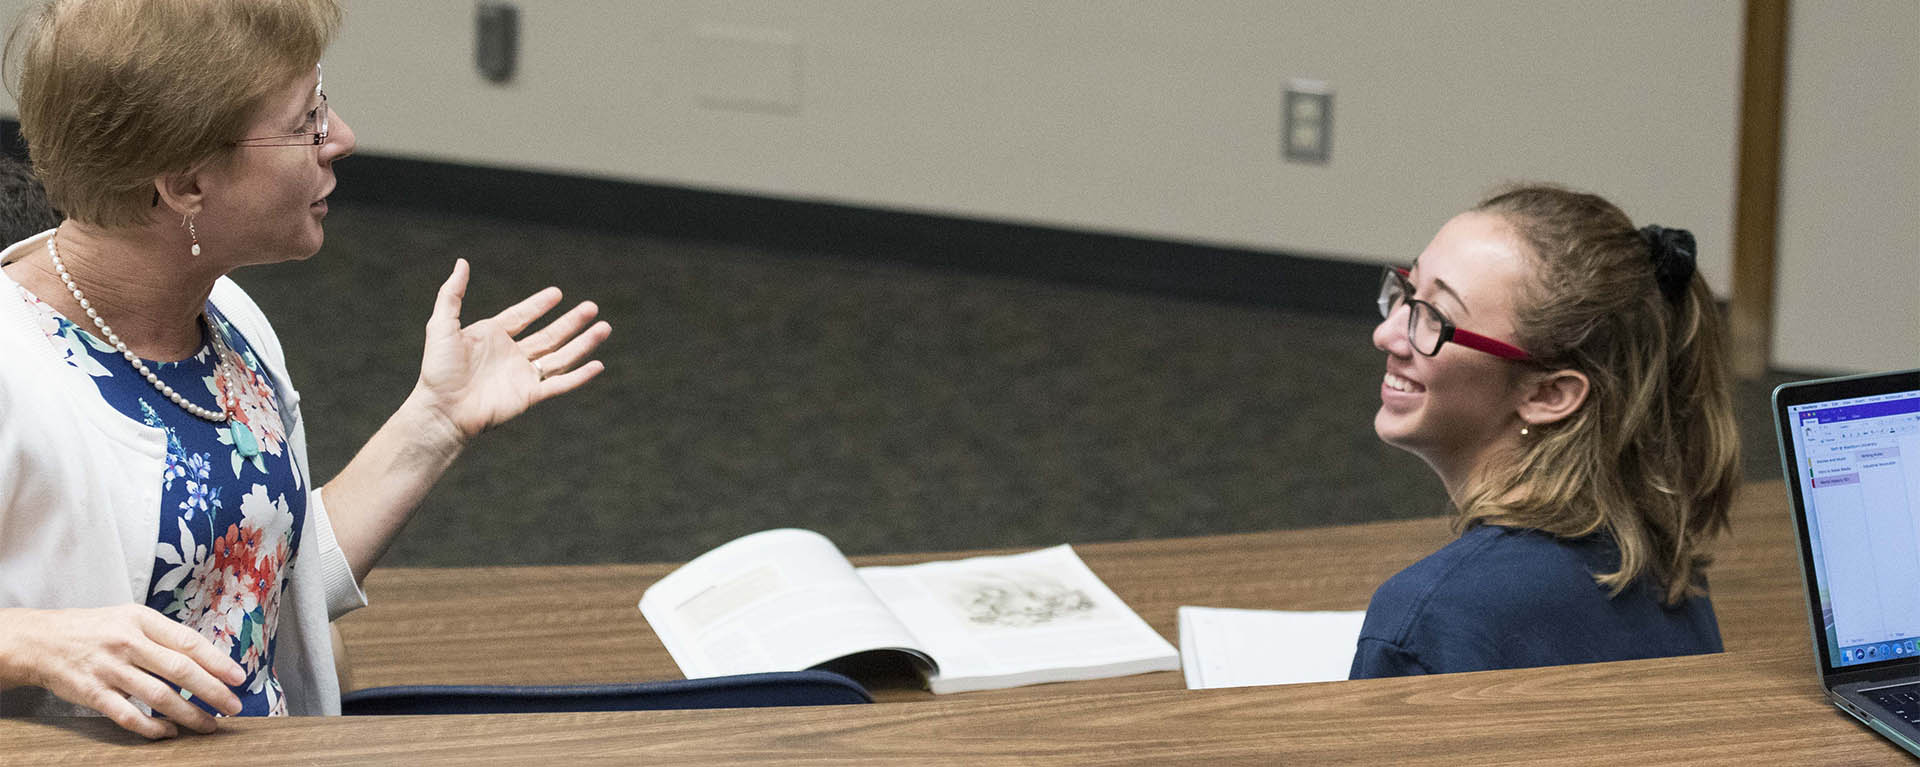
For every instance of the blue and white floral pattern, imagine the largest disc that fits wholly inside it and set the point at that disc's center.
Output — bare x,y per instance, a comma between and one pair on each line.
229,523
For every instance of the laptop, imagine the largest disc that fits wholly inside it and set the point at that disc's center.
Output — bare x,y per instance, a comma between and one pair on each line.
1850,449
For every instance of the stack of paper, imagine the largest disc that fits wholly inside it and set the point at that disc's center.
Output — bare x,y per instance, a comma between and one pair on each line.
1222,647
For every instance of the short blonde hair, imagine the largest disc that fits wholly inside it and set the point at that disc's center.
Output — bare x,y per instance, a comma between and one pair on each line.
115,93
1651,458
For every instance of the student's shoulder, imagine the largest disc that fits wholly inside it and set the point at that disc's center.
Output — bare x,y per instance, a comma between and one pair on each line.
1476,548
1488,570
1405,598
1543,557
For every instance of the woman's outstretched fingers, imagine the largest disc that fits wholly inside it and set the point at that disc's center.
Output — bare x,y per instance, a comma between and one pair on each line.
545,340
579,347
557,385
446,304
516,318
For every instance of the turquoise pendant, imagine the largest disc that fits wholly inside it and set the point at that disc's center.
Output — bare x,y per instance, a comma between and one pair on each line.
243,440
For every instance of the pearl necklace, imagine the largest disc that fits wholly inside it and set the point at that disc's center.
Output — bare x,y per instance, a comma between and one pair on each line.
221,367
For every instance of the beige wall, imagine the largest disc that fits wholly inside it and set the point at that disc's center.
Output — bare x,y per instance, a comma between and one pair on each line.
1161,118
1848,290
1150,118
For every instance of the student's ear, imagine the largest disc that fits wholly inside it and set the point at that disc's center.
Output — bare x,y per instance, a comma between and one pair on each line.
1553,395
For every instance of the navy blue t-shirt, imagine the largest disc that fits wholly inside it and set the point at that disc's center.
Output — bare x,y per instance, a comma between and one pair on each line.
1502,597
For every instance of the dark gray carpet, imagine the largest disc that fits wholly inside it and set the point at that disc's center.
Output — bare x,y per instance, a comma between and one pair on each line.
892,408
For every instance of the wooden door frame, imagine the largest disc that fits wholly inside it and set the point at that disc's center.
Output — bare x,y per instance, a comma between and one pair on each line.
1757,190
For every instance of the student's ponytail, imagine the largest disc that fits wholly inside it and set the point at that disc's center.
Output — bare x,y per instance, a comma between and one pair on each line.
1650,457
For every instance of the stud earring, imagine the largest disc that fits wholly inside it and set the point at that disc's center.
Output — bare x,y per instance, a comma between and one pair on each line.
188,222
1523,431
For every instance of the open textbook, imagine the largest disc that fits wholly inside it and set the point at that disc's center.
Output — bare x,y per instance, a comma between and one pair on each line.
786,600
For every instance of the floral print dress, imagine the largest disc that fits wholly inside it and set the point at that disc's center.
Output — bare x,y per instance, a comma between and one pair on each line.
231,501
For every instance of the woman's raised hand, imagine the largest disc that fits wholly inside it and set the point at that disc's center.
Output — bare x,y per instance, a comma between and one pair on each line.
481,375
105,658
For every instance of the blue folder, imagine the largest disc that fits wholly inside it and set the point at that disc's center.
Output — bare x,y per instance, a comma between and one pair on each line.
787,688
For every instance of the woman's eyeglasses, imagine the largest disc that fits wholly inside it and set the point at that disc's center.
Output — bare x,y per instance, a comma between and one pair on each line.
313,134
1428,328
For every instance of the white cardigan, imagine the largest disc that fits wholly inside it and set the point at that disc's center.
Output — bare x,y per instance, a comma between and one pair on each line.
80,501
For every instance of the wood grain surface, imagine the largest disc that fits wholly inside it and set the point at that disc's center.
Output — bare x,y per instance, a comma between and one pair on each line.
1757,703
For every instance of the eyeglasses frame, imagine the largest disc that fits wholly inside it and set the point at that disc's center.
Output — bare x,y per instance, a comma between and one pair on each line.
315,137
1448,331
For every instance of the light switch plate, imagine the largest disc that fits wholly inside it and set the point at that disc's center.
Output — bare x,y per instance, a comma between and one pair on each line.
1306,122
496,47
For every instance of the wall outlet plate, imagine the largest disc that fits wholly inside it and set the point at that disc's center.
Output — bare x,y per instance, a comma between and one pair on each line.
1306,122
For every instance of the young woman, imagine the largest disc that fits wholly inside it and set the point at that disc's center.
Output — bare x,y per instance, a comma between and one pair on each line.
1562,372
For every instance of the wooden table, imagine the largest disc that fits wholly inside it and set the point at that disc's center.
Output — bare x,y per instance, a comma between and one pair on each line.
1756,703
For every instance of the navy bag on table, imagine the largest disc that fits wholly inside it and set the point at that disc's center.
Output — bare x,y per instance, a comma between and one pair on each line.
785,688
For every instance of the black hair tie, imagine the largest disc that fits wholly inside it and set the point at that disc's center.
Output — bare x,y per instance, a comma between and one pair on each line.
1672,252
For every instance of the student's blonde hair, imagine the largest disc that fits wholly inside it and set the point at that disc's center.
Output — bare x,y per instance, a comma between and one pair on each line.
116,93
1651,457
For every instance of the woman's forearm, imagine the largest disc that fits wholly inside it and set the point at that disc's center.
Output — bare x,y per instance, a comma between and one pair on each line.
371,499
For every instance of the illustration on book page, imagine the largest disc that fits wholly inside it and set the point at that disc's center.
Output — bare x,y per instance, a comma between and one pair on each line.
1018,599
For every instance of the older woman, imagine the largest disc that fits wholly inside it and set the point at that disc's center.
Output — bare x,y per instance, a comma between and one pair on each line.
163,552
1563,374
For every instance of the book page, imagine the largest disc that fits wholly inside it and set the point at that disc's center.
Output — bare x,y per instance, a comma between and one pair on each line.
1222,647
1003,621
778,600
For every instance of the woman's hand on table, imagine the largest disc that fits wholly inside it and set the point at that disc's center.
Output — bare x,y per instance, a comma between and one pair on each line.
106,658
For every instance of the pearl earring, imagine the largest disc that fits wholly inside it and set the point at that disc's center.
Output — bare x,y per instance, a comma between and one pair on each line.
1523,431
188,221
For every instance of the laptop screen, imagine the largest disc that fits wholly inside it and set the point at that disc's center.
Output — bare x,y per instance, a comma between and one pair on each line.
1858,467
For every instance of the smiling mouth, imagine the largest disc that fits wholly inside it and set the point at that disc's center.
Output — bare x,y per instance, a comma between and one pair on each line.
1397,383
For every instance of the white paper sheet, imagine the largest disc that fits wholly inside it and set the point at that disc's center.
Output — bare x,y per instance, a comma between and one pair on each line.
1226,647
